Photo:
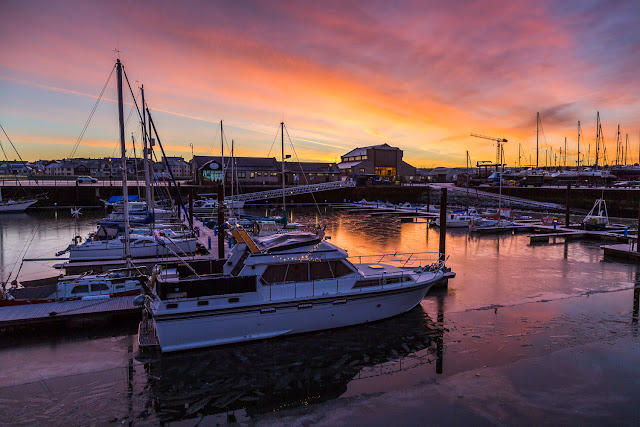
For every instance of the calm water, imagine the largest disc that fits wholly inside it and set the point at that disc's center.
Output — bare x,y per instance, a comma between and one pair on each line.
542,332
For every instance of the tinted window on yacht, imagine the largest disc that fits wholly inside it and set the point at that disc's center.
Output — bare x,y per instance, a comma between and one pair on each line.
320,270
80,289
298,272
340,269
99,287
275,273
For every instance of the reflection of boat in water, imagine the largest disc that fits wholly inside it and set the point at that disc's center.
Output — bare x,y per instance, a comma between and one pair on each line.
266,375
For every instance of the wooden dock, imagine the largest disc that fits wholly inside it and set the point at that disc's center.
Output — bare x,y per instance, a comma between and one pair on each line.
67,313
622,251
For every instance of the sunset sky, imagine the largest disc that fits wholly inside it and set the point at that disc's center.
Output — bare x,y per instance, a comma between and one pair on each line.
419,75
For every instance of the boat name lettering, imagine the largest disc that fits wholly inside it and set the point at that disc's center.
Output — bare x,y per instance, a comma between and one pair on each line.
306,305
267,310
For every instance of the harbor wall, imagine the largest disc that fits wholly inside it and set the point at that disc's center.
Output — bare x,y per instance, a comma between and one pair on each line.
620,202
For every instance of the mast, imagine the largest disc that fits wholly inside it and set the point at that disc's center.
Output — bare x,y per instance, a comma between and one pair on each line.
222,157
537,136
626,148
597,138
123,155
151,144
468,178
232,179
565,152
284,206
578,143
145,153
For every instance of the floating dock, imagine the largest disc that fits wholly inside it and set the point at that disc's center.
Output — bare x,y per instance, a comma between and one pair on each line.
67,313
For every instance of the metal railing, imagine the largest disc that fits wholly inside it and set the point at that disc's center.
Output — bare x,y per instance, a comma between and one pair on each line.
291,191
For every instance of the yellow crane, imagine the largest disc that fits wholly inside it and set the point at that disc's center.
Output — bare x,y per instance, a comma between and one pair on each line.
499,142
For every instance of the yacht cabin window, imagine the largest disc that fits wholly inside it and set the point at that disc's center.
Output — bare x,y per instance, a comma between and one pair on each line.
80,289
99,287
303,272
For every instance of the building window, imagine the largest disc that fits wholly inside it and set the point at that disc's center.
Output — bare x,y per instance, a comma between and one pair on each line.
274,173
252,175
258,173
242,174
212,175
361,170
363,157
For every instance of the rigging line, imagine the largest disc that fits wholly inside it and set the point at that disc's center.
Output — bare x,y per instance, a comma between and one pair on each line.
213,141
93,110
20,157
5,154
274,141
302,170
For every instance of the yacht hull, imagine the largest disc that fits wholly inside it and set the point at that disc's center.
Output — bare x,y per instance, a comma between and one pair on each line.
116,251
184,331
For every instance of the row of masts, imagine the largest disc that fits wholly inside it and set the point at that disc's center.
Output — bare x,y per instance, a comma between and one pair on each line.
601,159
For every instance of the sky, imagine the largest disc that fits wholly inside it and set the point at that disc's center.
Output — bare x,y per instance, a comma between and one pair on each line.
419,75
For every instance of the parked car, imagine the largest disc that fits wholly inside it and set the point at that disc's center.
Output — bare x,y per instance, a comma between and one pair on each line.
89,179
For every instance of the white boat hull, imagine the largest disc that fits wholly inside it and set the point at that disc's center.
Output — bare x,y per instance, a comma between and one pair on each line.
115,250
13,206
271,319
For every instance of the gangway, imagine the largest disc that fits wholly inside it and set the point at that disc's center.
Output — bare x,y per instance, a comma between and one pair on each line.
292,191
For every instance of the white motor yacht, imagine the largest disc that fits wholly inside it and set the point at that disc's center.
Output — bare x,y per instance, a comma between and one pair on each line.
277,285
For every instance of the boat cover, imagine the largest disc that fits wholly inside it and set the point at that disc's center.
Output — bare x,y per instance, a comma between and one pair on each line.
281,242
117,199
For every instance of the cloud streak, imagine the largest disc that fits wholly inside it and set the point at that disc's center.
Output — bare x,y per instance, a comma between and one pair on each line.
421,75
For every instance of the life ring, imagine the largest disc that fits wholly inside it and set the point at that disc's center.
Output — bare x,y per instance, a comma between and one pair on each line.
384,281
77,239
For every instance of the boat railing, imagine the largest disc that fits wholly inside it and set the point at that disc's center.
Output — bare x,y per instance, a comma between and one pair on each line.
398,259
345,284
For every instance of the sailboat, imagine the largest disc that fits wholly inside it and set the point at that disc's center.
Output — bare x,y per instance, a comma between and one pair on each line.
130,245
11,205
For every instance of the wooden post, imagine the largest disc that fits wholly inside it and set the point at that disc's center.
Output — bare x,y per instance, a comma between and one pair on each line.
567,206
191,205
443,223
220,221
428,198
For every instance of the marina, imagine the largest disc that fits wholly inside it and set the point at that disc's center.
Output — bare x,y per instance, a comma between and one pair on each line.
344,213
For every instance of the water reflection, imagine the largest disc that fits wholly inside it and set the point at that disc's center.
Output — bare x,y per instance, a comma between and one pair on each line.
264,376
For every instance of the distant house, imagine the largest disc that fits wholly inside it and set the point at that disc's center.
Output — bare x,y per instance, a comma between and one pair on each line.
249,170
383,161
179,167
311,172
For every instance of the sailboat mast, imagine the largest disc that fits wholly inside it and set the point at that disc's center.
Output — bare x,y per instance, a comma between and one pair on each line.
626,148
597,138
284,206
565,152
578,143
537,136
123,155
232,178
222,157
145,153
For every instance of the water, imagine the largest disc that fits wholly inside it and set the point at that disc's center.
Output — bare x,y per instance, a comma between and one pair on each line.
523,331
